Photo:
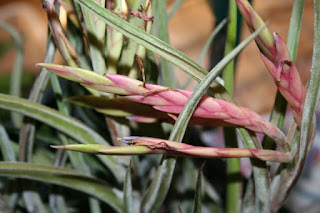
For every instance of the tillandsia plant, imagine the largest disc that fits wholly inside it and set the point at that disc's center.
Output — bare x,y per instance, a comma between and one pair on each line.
119,55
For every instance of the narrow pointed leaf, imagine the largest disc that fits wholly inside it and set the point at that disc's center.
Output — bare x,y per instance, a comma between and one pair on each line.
198,195
5,146
127,192
114,40
96,36
206,47
160,30
294,28
27,130
119,107
16,74
177,4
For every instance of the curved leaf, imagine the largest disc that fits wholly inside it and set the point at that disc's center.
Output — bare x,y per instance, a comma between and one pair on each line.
63,177
16,74
66,124
198,194
127,191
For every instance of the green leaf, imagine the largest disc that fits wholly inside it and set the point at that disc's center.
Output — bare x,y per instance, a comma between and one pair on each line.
130,48
294,28
5,146
198,195
117,106
177,4
160,30
127,192
206,47
158,189
76,158
96,36
249,199
16,74
313,94
63,177
27,130
63,123
114,41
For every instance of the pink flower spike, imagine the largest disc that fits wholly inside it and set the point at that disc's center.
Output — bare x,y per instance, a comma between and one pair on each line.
170,101
276,57
132,86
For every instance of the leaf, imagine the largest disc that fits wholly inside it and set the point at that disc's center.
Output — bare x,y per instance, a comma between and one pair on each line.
206,47
96,36
294,28
160,30
63,123
177,4
63,177
118,106
16,74
198,195
6,148
127,192
27,130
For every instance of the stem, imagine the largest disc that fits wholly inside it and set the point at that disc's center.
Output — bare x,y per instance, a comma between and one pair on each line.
233,165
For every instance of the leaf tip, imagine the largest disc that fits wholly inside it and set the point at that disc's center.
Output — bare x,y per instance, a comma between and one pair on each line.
58,147
39,64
